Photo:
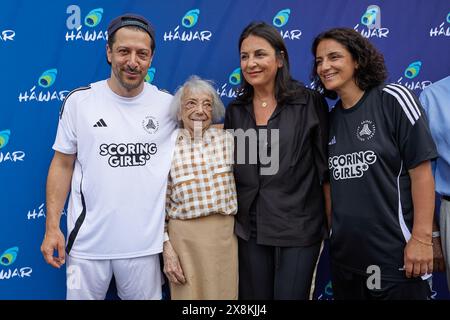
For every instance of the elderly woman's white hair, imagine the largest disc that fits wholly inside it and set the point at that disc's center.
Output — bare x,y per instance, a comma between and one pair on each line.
197,85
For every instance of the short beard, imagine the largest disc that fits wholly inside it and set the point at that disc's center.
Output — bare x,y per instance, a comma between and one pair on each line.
128,85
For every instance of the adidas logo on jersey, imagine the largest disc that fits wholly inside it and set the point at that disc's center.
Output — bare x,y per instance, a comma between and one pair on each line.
332,141
100,123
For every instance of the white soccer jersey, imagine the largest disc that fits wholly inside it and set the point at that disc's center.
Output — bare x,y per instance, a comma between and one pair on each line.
124,149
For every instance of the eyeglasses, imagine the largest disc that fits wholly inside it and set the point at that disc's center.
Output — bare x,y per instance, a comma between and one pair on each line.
192,104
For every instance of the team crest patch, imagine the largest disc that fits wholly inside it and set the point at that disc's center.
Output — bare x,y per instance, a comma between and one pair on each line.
150,124
366,130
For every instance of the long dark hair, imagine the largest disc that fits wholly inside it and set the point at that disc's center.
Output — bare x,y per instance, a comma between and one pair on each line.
285,85
371,70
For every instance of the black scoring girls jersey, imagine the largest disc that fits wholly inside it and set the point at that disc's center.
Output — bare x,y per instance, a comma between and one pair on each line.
371,148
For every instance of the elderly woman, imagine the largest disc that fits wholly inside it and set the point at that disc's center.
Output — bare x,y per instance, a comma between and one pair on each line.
200,248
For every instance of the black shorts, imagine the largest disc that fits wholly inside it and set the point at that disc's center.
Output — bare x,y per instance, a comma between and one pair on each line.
349,285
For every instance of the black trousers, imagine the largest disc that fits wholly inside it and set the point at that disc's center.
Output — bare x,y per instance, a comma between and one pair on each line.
275,273
348,285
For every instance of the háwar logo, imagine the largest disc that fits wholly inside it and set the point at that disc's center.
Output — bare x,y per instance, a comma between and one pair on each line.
13,156
45,81
7,35
234,79
9,256
4,138
91,21
150,75
190,18
280,20
188,21
39,212
371,19
443,30
411,72
413,69
6,260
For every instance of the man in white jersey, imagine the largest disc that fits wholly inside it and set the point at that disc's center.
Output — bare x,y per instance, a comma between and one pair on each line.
113,149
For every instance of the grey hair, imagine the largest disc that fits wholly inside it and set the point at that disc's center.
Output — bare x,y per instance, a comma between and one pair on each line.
196,84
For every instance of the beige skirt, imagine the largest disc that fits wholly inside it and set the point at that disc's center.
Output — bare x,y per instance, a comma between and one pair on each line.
207,249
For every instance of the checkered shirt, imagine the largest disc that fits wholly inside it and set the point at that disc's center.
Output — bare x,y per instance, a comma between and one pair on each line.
201,180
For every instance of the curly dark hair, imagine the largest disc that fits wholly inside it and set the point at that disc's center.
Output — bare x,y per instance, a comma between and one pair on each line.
371,67
285,85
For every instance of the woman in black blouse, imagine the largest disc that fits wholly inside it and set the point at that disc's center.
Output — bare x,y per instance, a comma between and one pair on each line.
281,217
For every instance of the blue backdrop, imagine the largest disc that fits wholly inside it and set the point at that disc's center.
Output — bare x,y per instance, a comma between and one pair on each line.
48,48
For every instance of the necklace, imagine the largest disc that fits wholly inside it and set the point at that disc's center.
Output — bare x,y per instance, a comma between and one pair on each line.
264,103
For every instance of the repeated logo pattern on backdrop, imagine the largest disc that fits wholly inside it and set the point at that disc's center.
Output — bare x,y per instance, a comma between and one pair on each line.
443,30
280,20
5,154
7,35
52,47
371,23
44,92
38,213
189,31
87,29
9,270
229,89
412,79
150,75
4,138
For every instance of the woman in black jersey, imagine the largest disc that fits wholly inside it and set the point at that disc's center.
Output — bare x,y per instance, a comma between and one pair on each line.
382,187
280,170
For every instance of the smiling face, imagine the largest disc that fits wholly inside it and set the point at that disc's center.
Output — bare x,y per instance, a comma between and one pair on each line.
130,58
335,67
196,110
259,63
